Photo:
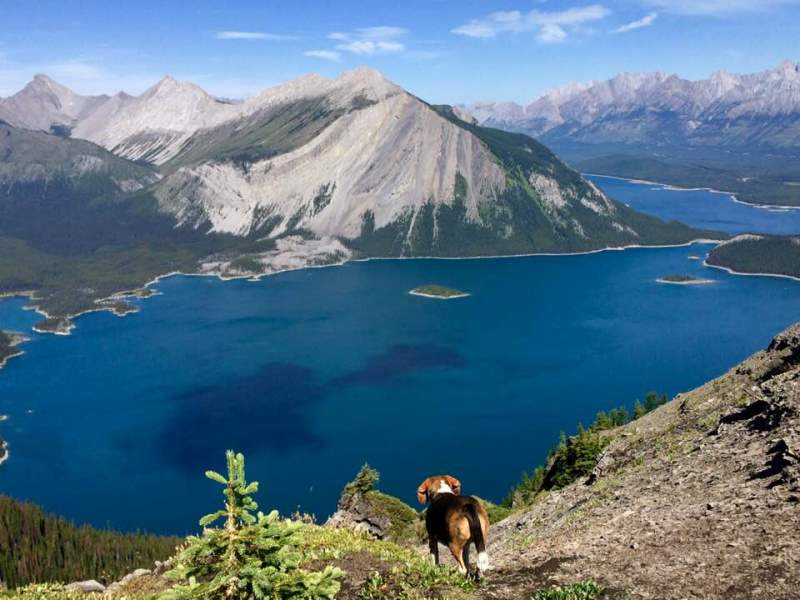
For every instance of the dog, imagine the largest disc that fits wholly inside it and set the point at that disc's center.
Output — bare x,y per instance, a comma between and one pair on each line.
455,520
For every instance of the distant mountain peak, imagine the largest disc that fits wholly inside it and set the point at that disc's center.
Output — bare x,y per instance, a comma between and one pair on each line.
660,108
788,68
169,85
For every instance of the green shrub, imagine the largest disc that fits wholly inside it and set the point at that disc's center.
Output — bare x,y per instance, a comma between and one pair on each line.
574,458
250,556
403,518
586,590
496,512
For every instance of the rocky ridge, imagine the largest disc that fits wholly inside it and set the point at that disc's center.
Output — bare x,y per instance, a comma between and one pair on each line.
760,109
699,499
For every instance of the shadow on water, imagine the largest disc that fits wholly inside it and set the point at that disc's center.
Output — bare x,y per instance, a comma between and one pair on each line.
267,410
273,409
400,360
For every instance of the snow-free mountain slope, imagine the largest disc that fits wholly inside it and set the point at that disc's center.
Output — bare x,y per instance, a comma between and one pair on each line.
43,103
355,158
761,109
314,171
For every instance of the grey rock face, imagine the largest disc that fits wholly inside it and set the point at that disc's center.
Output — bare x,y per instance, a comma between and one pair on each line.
355,512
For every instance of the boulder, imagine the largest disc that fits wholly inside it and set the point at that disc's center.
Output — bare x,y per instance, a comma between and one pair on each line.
87,587
378,515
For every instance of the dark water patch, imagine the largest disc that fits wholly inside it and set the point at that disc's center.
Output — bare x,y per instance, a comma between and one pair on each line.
269,410
399,360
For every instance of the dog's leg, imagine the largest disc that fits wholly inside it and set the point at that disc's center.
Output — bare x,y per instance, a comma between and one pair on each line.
457,550
465,553
433,546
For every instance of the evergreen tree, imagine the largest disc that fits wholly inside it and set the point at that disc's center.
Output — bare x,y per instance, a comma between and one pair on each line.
652,401
38,547
638,410
602,422
252,556
619,416
364,482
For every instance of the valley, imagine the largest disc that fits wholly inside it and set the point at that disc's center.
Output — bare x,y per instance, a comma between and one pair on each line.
731,132
225,190
205,223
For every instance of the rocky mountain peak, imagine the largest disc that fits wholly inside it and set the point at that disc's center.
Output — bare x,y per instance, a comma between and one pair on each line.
602,113
169,86
788,68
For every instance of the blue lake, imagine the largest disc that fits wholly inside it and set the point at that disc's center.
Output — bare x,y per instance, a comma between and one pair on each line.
312,373
703,209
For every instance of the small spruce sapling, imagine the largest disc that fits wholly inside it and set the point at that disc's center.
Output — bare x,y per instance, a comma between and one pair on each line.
364,482
250,556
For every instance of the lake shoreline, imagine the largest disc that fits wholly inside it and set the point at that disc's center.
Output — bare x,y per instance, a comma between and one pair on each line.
143,292
140,292
674,188
745,274
436,296
16,340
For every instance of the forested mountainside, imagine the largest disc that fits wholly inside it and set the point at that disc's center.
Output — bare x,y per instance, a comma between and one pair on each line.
758,254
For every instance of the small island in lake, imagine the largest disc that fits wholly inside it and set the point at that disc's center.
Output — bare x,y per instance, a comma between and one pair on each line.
439,292
683,280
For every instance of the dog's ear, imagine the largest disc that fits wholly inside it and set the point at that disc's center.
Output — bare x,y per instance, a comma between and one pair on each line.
422,491
454,484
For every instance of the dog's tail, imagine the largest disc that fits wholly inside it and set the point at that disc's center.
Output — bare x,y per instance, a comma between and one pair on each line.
476,532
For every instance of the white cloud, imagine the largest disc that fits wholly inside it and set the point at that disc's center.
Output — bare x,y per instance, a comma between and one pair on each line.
381,33
365,41
550,27
253,35
645,21
370,40
717,7
551,34
324,54
370,47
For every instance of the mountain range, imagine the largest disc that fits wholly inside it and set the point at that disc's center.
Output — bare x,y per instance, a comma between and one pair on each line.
313,170
756,111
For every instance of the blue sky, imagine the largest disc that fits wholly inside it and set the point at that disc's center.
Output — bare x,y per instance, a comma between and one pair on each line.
443,51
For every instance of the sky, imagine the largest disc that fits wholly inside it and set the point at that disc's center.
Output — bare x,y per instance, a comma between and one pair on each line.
444,51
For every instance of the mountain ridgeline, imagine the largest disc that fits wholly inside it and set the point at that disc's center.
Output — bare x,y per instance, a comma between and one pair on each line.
740,133
101,194
757,111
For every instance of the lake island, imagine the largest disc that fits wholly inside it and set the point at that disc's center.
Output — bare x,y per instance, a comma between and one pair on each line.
439,292
683,280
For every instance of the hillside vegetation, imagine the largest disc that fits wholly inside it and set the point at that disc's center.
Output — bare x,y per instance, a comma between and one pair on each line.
775,255
771,184
35,546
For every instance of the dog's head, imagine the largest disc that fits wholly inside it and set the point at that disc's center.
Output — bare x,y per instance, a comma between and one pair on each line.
438,484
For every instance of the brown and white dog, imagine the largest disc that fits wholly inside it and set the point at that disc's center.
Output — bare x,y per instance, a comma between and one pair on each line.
455,520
